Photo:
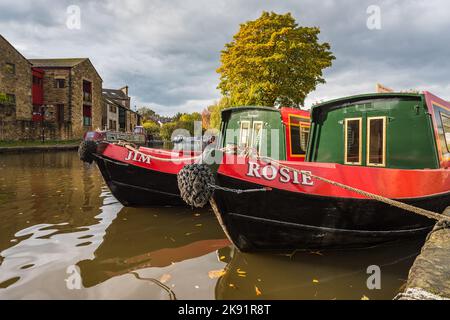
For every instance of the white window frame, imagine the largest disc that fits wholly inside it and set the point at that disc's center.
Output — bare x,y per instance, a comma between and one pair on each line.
368,142
444,115
248,133
260,134
346,141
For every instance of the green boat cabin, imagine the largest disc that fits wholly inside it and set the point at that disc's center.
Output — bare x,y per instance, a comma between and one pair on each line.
390,130
281,134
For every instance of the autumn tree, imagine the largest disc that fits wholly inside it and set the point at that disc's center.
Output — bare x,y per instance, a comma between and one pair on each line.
273,61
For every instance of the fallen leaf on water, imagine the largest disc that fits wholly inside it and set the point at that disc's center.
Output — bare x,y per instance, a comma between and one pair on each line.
365,298
214,274
242,275
232,286
199,225
239,271
222,258
165,277
315,281
258,292
188,233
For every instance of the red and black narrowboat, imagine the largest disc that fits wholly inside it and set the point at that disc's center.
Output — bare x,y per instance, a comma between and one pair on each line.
395,145
139,176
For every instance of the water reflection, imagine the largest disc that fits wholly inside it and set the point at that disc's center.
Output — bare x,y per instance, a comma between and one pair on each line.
58,216
316,275
140,239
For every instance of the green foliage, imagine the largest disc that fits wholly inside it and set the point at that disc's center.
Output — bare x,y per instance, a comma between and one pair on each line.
152,128
167,129
146,113
216,112
181,121
3,98
273,61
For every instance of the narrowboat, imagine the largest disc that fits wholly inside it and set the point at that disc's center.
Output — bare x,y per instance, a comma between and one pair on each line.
139,176
396,145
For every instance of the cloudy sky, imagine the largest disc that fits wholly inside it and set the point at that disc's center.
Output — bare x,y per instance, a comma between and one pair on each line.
167,51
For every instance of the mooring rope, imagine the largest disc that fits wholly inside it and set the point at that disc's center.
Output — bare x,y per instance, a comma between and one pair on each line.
134,148
407,207
169,291
238,191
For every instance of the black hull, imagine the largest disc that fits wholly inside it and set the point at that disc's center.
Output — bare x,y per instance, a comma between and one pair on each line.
281,220
137,187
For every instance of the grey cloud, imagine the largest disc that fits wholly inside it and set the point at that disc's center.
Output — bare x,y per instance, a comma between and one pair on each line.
168,51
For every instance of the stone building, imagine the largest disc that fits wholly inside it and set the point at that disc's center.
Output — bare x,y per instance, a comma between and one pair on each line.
15,94
72,96
119,99
110,119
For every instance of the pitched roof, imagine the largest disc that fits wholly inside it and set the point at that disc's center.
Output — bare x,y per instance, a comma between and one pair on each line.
57,63
115,94
111,101
9,43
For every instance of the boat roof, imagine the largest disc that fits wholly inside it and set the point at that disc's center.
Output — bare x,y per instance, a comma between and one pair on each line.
367,96
284,111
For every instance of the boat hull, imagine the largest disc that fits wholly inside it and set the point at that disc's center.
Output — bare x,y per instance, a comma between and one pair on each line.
284,220
135,186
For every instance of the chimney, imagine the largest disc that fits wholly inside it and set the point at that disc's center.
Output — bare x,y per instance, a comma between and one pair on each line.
124,90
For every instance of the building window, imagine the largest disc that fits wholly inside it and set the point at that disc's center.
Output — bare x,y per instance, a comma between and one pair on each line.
112,108
60,113
376,141
87,91
87,116
353,138
244,134
11,99
445,138
10,68
299,132
60,83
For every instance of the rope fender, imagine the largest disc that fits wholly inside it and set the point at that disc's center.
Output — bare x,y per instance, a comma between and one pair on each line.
194,182
87,150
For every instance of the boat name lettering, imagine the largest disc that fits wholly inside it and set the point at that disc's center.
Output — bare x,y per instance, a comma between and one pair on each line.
139,157
284,175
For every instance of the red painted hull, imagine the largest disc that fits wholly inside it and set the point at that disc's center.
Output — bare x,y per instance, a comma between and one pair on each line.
141,181
390,183
302,213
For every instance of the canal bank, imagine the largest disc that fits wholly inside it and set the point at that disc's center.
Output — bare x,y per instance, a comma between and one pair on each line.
429,277
38,148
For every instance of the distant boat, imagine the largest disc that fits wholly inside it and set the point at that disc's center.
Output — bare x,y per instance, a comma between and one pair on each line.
392,144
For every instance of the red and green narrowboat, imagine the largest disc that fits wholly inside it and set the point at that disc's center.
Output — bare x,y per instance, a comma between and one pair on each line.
396,145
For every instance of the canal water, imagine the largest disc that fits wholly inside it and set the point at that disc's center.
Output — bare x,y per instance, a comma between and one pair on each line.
64,236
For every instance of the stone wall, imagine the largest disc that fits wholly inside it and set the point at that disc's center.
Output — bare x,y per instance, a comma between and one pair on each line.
15,116
85,71
18,83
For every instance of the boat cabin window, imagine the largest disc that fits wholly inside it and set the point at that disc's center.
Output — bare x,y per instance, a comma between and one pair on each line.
376,141
445,138
257,135
299,131
353,135
244,134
